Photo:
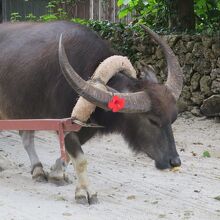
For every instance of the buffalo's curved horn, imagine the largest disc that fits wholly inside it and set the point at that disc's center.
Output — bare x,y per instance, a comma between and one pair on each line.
175,76
134,102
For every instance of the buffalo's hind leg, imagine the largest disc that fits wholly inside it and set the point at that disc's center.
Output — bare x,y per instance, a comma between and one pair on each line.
37,171
83,194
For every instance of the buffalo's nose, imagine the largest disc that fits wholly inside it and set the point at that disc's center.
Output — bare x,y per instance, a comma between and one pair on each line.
175,162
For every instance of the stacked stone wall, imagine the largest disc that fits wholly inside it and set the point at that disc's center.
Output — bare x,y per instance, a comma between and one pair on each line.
199,57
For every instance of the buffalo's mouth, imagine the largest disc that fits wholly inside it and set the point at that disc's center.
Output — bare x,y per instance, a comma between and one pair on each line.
167,164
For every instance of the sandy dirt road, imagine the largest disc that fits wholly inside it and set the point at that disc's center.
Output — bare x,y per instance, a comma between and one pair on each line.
129,186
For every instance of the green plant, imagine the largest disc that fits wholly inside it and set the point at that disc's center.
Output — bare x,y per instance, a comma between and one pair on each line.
57,10
15,16
62,14
31,17
129,36
206,154
151,12
155,13
60,8
208,15
48,17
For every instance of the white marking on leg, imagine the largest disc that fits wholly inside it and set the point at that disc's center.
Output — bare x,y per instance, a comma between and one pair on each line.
80,165
84,193
28,142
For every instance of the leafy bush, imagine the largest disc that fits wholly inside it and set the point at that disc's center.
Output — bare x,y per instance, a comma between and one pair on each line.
155,13
31,17
208,15
151,12
15,16
129,36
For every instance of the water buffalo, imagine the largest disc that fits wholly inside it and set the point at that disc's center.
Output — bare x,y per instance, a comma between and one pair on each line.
37,81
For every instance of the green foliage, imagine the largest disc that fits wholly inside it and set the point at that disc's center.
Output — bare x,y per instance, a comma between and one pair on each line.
151,12
129,36
30,17
15,16
59,8
208,14
61,13
48,17
154,13
206,154
56,10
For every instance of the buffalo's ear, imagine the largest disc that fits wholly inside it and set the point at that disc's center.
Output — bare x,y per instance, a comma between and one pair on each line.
148,73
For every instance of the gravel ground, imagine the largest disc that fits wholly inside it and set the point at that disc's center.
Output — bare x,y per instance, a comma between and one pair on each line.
128,185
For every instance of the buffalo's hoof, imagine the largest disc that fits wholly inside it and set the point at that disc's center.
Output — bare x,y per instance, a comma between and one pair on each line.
39,175
93,199
59,180
84,197
57,174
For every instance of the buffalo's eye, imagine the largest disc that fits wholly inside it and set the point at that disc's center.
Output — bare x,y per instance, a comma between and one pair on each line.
155,122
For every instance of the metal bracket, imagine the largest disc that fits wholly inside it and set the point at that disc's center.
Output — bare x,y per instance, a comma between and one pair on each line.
87,125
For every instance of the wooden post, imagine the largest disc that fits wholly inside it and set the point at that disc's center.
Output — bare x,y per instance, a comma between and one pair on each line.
94,9
4,11
106,10
110,11
91,14
116,9
87,9
102,10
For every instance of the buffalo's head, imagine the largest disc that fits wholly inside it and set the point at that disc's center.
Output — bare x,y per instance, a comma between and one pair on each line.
149,109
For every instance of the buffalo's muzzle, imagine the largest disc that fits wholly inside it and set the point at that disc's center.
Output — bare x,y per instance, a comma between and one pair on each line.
175,162
167,164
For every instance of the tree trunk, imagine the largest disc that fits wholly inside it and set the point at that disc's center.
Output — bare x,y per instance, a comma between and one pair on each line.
181,15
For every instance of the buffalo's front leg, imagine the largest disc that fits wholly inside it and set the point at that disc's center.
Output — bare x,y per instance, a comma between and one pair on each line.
83,194
58,174
37,171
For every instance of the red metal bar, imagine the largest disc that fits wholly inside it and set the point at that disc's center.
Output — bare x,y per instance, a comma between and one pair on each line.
39,124
59,125
62,142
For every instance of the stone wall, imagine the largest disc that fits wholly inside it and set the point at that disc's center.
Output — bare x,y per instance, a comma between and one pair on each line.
199,57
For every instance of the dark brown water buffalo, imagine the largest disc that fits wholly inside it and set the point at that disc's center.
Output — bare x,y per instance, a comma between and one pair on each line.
32,85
